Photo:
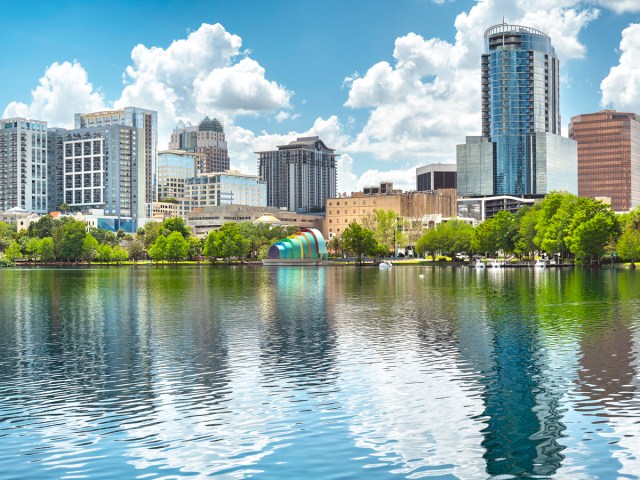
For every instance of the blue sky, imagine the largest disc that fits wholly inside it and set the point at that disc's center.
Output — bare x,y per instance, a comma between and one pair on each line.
390,84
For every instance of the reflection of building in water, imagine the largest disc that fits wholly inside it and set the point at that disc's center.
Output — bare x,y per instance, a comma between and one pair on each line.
523,419
298,340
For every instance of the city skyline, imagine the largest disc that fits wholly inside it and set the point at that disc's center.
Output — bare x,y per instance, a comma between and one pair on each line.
272,79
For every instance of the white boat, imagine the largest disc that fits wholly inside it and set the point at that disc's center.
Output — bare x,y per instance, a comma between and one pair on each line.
480,264
495,264
541,263
385,264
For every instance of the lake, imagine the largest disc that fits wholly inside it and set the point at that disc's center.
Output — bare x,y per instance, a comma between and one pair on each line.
319,373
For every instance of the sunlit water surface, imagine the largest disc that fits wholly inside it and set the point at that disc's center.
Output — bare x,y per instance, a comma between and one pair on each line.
319,373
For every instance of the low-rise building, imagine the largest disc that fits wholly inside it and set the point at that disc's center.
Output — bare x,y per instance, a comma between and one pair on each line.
408,205
436,176
481,208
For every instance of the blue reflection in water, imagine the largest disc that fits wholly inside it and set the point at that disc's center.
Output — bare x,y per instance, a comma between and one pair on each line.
318,373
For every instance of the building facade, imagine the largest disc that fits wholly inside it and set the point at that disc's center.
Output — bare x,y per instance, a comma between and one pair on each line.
146,121
174,167
411,206
207,139
300,176
103,168
436,176
608,156
520,113
226,188
23,165
479,209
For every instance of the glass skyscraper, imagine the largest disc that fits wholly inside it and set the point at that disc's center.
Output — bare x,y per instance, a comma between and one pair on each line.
520,117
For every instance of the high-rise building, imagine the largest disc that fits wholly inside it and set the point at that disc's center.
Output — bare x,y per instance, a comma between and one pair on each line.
207,139
608,156
223,188
23,165
300,176
146,121
101,168
520,117
436,176
174,167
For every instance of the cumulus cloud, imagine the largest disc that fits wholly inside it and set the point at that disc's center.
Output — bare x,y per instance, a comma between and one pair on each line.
621,6
428,99
63,90
621,87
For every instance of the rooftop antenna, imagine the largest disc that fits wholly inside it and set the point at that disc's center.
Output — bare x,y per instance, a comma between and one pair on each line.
503,22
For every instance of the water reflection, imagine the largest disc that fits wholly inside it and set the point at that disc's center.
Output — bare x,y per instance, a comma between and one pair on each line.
320,373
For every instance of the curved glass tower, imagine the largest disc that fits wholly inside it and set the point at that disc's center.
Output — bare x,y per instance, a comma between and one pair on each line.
520,96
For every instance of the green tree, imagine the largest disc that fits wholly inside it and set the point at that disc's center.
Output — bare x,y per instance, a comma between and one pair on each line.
119,254
336,246
526,221
384,225
359,241
104,236
177,248
41,228
64,207
195,247
503,224
13,252
430,243
68,238
136,249
175,224
484,238
104,253
150,233
33,248
629,245
455,237
554,219
589,238
157,252
89,247
46,251
227,242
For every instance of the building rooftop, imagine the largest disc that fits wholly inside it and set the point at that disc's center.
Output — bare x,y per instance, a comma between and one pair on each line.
209,125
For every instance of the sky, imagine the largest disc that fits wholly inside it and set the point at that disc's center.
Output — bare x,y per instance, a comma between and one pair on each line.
390,84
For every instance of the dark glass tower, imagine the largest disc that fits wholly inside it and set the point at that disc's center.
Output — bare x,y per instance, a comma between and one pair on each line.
520,96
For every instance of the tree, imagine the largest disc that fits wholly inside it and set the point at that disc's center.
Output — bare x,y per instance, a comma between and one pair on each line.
157,252
136,249
195,248
33,248
177,248
589,238
104,236
484,238
430,243
359,241
150,233
227,243
68,238
384,225
64,207
175,224
119,254
46,250
89,247
104,253
629,245
503,224
455,236
13,252
336,246
526,220
554,218
41,228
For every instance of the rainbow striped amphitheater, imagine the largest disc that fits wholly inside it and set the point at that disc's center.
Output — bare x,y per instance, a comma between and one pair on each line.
306,247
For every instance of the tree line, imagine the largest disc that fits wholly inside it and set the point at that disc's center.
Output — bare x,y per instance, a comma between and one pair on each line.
67,239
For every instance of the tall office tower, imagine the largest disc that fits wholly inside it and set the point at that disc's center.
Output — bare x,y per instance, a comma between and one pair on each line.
23,165
521,116
608,156
208,139
103,168
174,167
144,120
300,176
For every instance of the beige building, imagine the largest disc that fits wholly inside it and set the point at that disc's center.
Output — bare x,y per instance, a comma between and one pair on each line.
411,205
204,220
164,210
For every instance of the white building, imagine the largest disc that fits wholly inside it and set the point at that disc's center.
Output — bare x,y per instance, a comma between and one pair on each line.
23,164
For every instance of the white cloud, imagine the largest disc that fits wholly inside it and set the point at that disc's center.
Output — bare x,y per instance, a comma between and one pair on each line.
428,99
63,91
621,6
282,116
621,87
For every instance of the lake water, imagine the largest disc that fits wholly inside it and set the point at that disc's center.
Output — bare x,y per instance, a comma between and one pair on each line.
319,373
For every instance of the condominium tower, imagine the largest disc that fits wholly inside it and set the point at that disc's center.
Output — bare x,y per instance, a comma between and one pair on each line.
608,156
23,165
207,139
300,176
520,84
147,123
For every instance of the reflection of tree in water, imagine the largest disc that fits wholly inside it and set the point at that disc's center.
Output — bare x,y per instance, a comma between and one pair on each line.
298,341
522,412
